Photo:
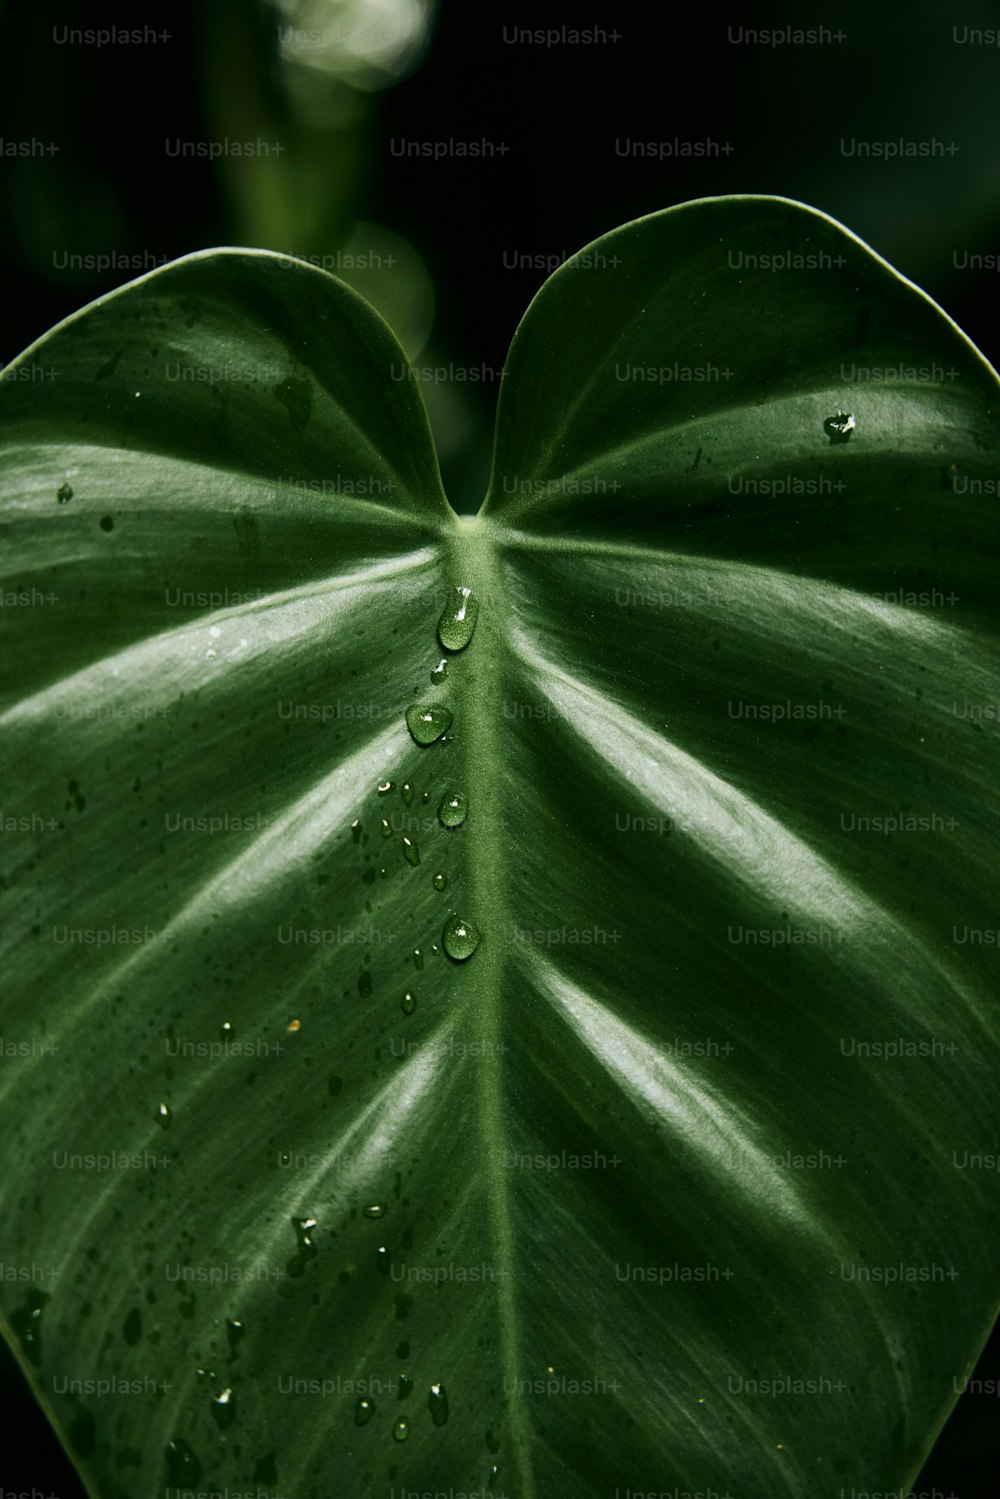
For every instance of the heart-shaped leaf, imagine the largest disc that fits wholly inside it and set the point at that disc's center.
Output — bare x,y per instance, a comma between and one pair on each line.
503,1003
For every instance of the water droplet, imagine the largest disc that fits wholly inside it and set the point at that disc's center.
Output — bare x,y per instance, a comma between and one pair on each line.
838,428
365,984
164,1118
453,810
383,1259
439,881
411,851
401,1431
440,671
363,1412
306,1248
375,1210
459,938
418,958
27,1323
295,1025
234,1332
356,830
428,722
493,1475
406,792
183,1467
437,1404
386,827
405,1386
224,1409
384,787
64,493
227,1032
132,1329
458,619
408,1003
425,797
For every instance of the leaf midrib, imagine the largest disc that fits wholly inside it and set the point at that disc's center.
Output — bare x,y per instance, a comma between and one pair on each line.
478,690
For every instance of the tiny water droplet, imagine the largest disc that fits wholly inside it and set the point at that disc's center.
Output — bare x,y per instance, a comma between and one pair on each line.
401,1431
64,493
356,830
435,949
459,938
405,1386
439,881
453,810
183,1467
227,1032
363,1412
493,1475
365,984
458,619
425,797
375,1210
440,671
306,1247
418,958
437,1404
384,787
234,1332
839,427
406,792
164,1118
383,1259
408,1003
411,851
386,827
224,1409
427,722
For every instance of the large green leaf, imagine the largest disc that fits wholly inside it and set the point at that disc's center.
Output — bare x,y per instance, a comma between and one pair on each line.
673,1181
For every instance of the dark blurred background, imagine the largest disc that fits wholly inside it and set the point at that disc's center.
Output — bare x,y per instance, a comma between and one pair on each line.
340,100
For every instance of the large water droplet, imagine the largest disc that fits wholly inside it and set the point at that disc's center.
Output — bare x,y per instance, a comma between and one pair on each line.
224,1409
453,810
408,1003
374,1210
460,938
401,1431
437,1404
363,1412
427,722
406,792
439,881
384,787
64,493
458,619
838,428
411,851
439,672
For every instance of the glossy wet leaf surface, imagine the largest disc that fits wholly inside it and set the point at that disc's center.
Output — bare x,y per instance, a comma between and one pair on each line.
644,1157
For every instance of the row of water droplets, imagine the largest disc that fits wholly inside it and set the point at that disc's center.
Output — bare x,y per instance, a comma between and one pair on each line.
428,724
